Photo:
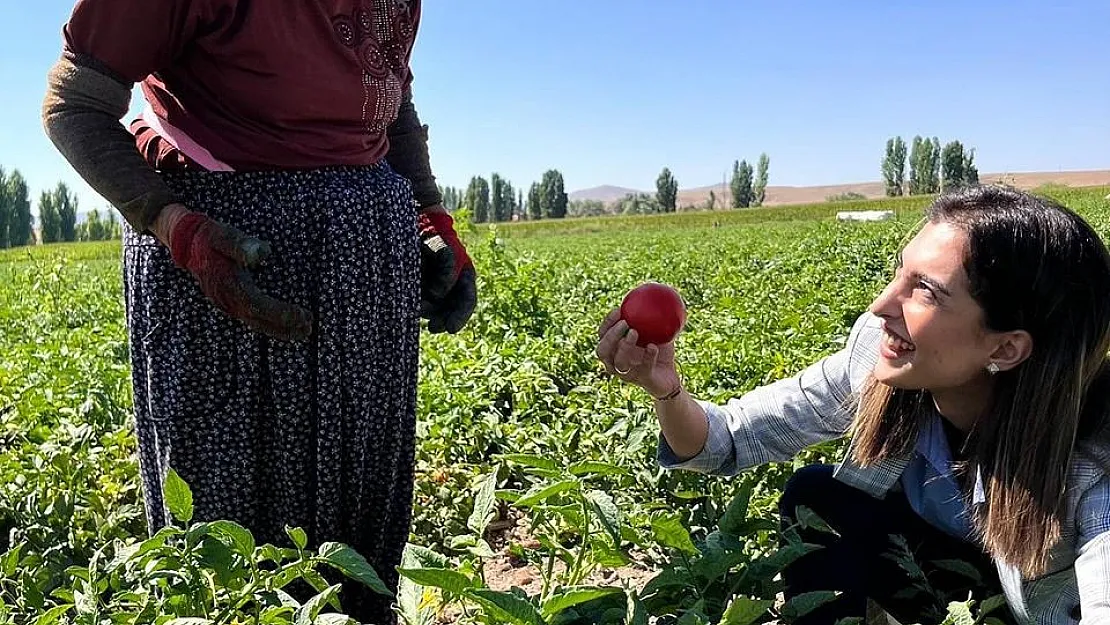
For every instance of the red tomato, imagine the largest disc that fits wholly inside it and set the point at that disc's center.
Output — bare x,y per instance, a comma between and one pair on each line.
655,311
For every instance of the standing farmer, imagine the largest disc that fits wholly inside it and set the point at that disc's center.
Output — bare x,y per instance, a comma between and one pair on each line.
284,236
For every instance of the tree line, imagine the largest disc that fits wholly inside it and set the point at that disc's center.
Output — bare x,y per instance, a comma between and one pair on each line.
57,216
747,188
932,169
496,199
748,191
16,225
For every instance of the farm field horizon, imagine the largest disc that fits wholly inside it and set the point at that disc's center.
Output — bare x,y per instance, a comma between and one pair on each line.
538,499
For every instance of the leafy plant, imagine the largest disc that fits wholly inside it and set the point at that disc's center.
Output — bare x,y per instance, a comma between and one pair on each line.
513,412
203,574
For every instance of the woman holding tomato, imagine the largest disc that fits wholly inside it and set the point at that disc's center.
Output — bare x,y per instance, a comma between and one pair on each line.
284,236
976,392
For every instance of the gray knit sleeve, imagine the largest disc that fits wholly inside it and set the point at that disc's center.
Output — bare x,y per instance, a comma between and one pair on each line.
81,113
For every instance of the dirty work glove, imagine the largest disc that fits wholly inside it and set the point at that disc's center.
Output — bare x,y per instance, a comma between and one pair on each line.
448,282
219,256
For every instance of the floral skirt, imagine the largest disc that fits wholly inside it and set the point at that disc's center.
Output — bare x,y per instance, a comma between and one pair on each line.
317,434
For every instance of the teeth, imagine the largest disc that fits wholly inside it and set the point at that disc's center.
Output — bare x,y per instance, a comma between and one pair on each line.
898,344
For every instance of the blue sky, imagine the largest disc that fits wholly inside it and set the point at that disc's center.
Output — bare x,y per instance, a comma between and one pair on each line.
610,91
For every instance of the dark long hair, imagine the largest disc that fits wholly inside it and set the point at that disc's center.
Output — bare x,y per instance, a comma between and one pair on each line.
1033,265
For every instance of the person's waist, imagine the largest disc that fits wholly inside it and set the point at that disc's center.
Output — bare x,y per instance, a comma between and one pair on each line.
189,145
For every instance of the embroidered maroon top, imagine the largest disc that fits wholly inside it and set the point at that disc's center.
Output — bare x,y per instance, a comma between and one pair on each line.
261,84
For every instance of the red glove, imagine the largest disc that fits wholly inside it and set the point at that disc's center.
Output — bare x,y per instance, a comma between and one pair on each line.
448,280
218,256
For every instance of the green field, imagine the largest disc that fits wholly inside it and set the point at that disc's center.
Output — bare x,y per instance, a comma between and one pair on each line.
534,469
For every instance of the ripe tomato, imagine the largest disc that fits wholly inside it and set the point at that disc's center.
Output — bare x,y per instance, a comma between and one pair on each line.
655,311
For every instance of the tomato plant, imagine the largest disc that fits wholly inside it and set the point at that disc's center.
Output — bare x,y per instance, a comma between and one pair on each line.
530,460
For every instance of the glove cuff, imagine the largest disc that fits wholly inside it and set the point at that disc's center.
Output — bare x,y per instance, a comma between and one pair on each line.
435,222
181,239
441,223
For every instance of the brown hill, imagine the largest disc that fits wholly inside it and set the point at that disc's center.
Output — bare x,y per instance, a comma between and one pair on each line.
778,195
604,193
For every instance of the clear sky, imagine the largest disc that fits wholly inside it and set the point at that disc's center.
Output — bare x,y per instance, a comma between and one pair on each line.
610,91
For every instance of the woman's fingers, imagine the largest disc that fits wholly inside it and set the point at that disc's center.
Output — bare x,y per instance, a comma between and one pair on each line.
628,355
618,351
651,356
607,346
610,320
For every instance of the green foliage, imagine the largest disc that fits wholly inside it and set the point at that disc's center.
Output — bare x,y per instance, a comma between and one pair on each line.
7,214
65,202
499,211
894,167
49,219
211,573
917,177
95,228
952,166
933,169
847,196
741,185
452,198
535,202
924,166
666,191
586,208
478,200
20,229
553,195
685,220
759,187
58,214
518,424
934,166
502,199
971,172
640,204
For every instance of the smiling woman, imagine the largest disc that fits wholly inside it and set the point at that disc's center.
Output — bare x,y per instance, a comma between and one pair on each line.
976,391
935,331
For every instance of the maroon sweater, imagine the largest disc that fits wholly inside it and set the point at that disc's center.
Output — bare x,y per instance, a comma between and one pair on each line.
261,83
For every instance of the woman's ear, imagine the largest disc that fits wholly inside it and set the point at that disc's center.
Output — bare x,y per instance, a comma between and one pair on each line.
1013,348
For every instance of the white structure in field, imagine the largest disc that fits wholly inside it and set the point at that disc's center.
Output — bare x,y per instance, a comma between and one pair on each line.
864,215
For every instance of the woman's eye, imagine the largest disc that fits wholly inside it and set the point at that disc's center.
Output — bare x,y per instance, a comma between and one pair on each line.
927,291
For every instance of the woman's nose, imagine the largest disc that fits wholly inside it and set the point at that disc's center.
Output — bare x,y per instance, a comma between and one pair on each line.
887,303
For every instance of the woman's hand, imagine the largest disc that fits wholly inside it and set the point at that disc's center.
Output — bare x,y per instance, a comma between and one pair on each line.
220,258
449,291
682,421
652,367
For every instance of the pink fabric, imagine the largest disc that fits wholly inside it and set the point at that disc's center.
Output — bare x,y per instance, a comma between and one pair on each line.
183,142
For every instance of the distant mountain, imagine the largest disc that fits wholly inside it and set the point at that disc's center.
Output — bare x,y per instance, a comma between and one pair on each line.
605,193
780,195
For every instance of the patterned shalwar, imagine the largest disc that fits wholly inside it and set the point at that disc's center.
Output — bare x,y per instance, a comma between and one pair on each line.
317,434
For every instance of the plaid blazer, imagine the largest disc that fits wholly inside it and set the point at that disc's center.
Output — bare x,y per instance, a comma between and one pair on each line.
776,421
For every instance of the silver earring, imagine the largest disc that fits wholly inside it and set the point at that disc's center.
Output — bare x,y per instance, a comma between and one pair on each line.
992,368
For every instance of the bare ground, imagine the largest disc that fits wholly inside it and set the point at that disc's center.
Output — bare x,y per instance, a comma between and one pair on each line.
505,571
